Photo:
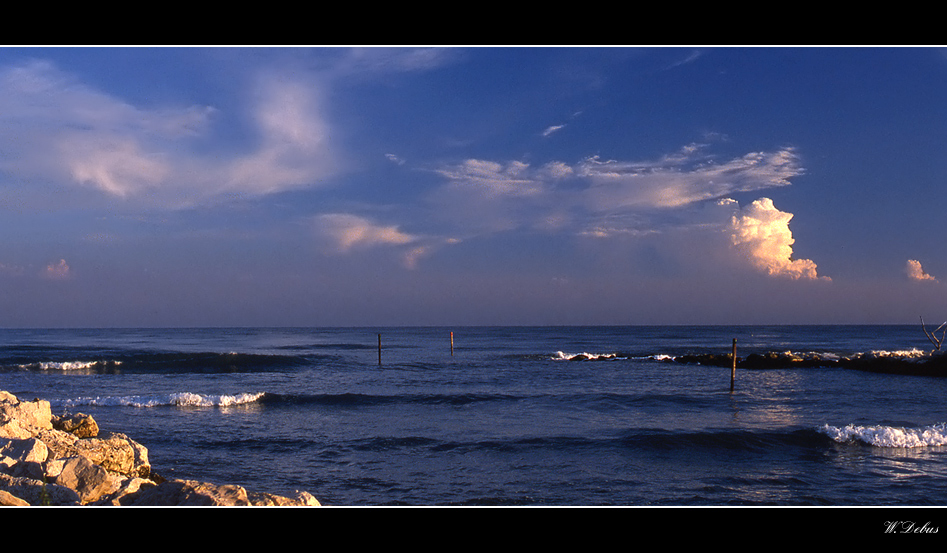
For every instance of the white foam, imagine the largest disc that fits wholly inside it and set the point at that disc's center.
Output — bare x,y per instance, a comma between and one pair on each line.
561,356
64,365
903,354
180,399
889,436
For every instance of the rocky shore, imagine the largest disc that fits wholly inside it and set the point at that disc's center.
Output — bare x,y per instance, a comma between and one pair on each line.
913,362
49,460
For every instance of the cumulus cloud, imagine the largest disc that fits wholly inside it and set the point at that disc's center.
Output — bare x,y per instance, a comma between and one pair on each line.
59,130
762,233
916,272
57,271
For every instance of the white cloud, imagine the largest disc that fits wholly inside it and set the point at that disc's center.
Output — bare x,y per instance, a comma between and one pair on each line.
116,165
683,178
293,150
916,272
552,129
351,232
59,130
346,233
492,179
761,232
604,198
376,60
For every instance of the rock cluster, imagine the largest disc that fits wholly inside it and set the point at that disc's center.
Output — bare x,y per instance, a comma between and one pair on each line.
65,461
907,363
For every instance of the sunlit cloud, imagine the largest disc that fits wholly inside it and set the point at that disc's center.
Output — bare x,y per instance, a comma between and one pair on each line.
916,272
349,232
57,271
604,199
683,178
346,233
116,165
761,232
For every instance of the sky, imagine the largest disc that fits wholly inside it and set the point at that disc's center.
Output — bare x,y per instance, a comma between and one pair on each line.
377,186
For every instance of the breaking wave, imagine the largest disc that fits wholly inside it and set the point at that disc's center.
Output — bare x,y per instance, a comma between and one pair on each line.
172,362
561,356
889,436
179,399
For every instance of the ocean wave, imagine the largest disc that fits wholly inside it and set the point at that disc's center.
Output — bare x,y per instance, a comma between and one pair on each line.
68,365
178,399
562,356
889,436
348,399
158,362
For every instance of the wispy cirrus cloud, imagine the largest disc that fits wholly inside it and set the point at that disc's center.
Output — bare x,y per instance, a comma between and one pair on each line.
492,179
554,128
683,178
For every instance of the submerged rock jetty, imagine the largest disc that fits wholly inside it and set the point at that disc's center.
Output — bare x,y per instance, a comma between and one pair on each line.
65,461
913,362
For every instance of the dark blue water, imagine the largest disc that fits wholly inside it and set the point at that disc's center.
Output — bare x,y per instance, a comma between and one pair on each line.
513,417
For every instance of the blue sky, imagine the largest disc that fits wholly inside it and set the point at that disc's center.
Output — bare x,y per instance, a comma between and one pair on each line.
472,186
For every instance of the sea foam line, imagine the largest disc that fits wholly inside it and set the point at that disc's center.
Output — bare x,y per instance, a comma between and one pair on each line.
562,356
889,436
179,399
66,365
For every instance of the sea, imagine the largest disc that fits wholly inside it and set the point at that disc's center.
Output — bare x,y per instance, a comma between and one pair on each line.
597,416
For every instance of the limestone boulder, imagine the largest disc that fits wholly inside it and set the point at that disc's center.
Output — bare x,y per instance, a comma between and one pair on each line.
7,499
89,480
64,461
188,493
38,493
79,424
299,499
116,452
22,419
24,457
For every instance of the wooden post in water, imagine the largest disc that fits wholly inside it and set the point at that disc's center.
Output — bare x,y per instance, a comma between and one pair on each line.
733,368
452,343
379,350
